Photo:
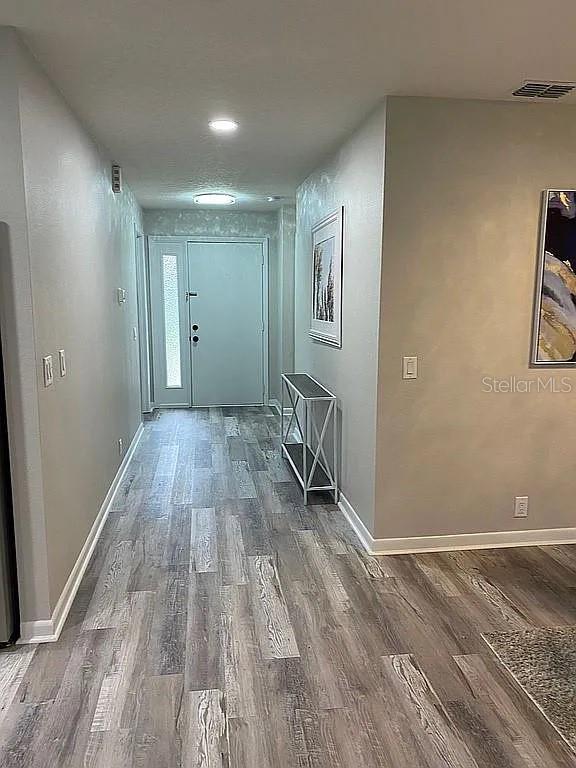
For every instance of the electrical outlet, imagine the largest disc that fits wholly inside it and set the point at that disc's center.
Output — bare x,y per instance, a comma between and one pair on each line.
48,370
62,361
120,446
521,506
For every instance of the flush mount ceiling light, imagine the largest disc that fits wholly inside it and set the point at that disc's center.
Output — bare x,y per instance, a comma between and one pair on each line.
223,125
214,198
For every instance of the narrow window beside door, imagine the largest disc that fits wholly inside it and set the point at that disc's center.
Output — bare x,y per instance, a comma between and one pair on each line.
171,319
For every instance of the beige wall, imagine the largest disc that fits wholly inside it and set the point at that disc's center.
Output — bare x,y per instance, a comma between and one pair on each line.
81,247
462,208
354,178
17,327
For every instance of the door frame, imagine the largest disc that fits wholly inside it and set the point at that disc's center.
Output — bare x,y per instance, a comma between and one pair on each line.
144,322
265,243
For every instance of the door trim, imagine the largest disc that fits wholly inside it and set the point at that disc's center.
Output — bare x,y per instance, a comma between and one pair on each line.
144,322
265,243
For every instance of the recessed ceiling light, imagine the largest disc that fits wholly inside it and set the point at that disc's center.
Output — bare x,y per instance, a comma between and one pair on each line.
222,125
214,198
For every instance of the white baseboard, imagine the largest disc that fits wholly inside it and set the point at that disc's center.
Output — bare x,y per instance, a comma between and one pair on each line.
273,403
453,542
37,632
356,523
48,630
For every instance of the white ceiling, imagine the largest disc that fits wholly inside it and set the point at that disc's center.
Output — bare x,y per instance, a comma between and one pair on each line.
145,76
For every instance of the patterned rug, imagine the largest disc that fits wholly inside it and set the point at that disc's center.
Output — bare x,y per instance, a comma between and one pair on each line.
543,662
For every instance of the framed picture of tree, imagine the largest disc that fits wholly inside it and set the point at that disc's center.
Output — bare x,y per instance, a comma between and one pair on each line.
326,311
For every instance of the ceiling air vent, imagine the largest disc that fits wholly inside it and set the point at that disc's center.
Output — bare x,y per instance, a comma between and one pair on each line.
542,89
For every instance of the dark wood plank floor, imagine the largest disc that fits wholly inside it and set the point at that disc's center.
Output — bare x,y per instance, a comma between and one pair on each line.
222,624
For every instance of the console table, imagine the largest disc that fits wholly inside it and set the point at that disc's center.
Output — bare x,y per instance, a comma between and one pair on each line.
306,450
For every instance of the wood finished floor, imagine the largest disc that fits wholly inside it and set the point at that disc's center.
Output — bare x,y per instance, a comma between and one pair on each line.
222,624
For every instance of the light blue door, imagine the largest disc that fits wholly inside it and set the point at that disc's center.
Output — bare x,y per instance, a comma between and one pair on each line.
226,314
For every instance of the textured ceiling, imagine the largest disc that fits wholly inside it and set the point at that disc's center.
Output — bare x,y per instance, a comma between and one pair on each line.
146,76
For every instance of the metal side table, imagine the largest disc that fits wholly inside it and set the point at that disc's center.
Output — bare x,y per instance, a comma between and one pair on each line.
312,416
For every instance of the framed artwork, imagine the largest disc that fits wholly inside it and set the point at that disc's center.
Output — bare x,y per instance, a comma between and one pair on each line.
326,310
554,336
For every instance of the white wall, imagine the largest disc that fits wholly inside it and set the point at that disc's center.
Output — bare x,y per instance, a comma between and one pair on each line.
80,247
354,178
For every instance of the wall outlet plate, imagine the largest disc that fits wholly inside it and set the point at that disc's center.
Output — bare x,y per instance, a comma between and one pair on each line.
521,506
410,367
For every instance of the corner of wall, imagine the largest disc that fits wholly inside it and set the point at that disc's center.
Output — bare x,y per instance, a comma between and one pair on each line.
19,346
353,177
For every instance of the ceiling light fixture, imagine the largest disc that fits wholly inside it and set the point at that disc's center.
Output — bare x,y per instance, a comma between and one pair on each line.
223,125
214,198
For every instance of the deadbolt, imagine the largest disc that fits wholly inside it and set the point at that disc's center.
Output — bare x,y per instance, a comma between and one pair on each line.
194,327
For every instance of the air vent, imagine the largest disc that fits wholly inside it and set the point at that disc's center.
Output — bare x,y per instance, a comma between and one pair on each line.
116,179
544,90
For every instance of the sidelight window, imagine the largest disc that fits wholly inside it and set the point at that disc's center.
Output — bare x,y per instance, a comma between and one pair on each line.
171,320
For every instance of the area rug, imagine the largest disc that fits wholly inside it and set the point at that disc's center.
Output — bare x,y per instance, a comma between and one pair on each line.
543,662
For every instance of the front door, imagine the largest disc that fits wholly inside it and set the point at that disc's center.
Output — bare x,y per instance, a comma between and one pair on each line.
226,314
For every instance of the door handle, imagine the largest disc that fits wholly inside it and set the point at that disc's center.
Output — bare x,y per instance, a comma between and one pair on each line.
195,339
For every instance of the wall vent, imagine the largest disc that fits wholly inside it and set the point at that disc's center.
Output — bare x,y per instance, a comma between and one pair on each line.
542,89
116,179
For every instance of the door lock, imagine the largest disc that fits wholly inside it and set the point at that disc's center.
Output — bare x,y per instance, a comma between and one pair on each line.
194,327
195,339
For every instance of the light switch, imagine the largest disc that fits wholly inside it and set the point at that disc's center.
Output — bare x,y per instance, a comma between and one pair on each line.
409,367
134,333
121,295
62,362
48,370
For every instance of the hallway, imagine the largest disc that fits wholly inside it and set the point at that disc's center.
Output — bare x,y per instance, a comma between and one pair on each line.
222,623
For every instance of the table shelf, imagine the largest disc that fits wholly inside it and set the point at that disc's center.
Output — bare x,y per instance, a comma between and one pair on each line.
311,414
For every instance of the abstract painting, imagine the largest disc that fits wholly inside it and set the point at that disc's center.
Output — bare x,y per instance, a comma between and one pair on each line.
325,323
555,315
